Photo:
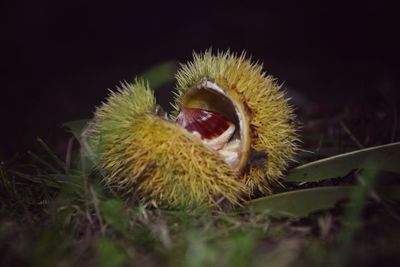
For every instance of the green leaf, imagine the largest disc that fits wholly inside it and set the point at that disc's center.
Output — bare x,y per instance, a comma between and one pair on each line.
160,74
114,213
385,157
76,127
300,203
110,255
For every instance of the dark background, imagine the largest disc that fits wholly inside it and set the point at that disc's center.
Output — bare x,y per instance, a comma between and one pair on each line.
59,57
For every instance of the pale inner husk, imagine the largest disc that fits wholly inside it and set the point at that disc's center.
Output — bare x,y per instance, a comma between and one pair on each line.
231,145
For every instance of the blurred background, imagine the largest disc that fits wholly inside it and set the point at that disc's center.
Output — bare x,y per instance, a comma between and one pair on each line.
59,58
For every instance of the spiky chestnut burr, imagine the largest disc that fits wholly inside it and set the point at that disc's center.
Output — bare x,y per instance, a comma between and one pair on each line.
240,90
232,134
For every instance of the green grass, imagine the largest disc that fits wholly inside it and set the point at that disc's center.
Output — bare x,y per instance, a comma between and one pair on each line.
54,216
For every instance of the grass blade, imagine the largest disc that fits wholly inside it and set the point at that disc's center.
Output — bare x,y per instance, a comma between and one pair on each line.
353,218
60,163
43,162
